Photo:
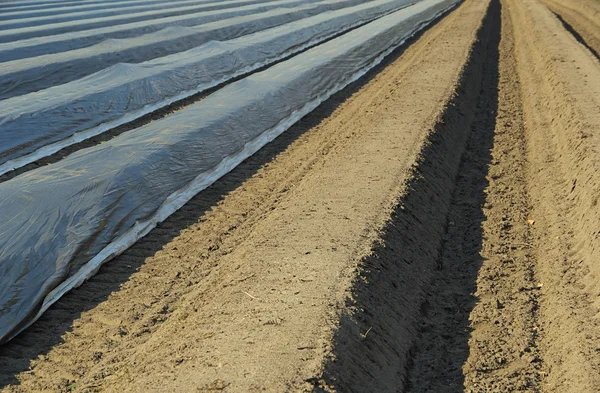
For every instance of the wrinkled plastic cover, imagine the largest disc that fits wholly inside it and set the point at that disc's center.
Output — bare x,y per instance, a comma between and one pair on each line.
63,12
39,30
18,4
22,76
124,92
20,20
16,46
17,8
58,223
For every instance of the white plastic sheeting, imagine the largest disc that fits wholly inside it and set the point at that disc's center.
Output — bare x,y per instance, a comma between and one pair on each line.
18,4
23,19
59,223
26,75
11,49
18,8
119,94
38,30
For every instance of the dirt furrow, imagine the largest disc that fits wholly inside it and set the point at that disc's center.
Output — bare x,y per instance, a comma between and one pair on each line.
560,86
486,286
504,354
387,300
533,324
581,18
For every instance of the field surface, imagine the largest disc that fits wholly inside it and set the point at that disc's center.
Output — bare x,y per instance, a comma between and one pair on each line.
429,221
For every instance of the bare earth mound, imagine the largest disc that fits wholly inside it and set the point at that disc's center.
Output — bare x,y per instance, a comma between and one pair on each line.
581,18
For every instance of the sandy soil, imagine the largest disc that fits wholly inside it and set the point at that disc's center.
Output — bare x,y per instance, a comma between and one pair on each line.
561,104
487,288
581,18
432,228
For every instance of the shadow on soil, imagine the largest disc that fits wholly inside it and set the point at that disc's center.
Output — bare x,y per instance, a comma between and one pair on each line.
48,331
406,325
575,34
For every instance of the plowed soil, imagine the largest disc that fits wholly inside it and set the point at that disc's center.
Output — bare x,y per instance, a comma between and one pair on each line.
432,228
581,18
